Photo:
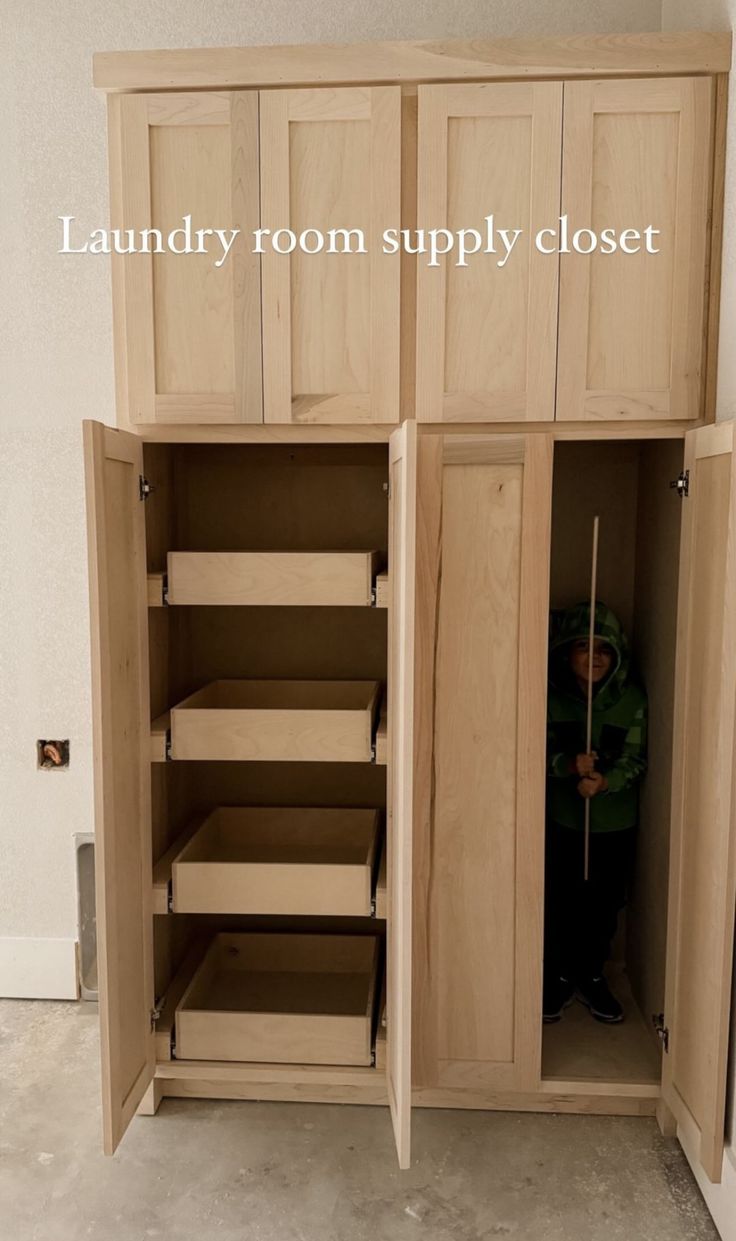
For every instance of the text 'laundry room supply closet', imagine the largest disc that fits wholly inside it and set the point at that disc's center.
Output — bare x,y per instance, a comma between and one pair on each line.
324,543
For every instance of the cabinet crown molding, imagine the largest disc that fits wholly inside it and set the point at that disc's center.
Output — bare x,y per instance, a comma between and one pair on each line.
435,60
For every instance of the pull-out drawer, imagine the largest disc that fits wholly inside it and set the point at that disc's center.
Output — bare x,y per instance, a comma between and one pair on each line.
282,999
279,860
297,721
273,579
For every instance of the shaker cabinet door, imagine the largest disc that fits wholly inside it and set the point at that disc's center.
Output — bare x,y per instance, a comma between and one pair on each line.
702,898
330,160
483,534
121,717
188,332
487,331
635,154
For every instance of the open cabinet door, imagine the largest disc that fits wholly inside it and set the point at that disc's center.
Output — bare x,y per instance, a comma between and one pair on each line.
703,850
402,550
121,712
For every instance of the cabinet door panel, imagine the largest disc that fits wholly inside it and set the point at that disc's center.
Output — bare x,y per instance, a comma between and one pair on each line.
188,332
121,714
479,853
700,934
331,160
635,153
400,777
486,334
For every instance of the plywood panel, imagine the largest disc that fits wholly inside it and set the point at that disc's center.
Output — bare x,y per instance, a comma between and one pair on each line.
635,154
331,161
486,331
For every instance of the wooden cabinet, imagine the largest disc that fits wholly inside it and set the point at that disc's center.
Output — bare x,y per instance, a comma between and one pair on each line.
628,339
187,331
320,640
331,160
294,838
195,341
635,154
486,332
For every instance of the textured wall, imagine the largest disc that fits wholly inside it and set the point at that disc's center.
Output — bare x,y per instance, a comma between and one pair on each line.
56,362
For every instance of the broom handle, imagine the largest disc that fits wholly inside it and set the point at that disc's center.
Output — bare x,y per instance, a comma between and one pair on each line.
589,720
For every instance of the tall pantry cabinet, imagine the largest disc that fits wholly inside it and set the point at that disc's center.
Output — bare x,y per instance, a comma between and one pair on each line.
324,545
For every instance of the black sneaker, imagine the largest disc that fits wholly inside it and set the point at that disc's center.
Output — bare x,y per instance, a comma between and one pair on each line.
558,995
596,996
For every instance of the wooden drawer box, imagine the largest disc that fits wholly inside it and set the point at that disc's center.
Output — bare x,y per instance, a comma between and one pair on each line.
283,999
298,721
279,860
275,579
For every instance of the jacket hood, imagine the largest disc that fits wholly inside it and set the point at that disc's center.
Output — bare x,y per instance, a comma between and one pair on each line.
571,624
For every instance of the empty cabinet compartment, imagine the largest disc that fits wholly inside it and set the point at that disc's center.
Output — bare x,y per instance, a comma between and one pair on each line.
273,579
279,860
297,721
282,999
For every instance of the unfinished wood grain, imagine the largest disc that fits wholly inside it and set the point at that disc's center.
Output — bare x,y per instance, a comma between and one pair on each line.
272,579
635,154
278,860
330,159
400,779
713,310
301,721
117,564
590,55
488,813
188,332
486,332
306,1083
703,856
162,868
281,998
382,590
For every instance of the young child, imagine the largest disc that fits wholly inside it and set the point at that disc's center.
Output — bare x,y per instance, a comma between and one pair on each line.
581,917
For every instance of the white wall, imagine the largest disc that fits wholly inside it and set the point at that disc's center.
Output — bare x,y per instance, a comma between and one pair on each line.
719,15
56,369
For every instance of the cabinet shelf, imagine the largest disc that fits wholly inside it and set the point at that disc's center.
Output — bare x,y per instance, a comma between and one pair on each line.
291,721
272,860
283,999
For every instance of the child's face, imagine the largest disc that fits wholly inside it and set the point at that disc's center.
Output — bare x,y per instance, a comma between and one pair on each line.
602,659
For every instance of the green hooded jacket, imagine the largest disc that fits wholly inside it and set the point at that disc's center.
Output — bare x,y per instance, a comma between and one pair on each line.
619,726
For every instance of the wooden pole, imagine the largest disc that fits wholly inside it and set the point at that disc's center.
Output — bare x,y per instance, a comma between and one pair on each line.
589,720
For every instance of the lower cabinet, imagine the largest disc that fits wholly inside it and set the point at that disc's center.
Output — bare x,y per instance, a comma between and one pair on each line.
320,787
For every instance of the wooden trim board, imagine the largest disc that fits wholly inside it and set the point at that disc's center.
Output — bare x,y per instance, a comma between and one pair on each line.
437,60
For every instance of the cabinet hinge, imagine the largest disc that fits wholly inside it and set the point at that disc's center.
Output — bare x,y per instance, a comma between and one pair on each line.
144,488
155,1014
165,590
681,484
662,1031
387,490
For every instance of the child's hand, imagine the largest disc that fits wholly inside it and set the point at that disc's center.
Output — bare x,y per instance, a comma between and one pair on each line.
590,785
585,763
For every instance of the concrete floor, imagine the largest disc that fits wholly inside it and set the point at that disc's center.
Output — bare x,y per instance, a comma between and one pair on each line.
209,1171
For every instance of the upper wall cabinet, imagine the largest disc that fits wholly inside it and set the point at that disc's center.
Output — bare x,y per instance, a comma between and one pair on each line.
331,160
636,154
188,336
486,332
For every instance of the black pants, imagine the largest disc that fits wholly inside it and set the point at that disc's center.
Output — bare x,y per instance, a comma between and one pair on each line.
580,918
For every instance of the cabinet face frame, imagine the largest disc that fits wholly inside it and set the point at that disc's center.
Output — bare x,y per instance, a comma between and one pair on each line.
121,716
702,891
583,298
372,348
132,123
441,337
